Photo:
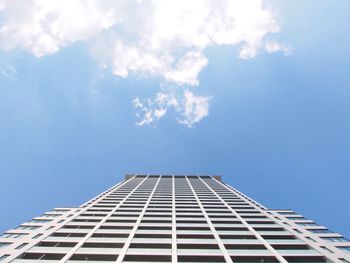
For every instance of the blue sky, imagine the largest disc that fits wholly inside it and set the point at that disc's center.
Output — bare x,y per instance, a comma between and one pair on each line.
274,122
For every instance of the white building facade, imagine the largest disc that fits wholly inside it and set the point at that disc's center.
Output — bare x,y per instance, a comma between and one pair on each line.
171,218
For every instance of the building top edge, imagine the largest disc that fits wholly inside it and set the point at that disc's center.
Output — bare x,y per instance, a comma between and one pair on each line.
128,176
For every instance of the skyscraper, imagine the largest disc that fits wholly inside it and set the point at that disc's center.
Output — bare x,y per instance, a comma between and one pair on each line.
165,218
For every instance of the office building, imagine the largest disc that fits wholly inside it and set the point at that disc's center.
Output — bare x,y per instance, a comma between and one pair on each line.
172,218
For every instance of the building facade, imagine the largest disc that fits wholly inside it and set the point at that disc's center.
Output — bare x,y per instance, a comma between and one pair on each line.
166,218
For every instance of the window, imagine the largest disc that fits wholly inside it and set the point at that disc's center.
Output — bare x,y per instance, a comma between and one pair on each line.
286,213
245,246
296,218
68,235
269,229
244,237
9,235
61,210
2,245
110,235
154,228
327,249
273,237
116,227
200,259
22,245
51,215
3,257
42,256
307,224
77,227
40,220
103,245
309,238
335,239
27,227
84,220
253,259
319,230
56,244
346,249
148,258
303,259
231,229
291,247
149,245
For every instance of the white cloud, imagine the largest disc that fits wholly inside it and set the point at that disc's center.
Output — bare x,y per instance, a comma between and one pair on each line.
190,108
155,37
247,52
152,110
187,69
169,39
127,59
44,26
148,38
273,46
194,109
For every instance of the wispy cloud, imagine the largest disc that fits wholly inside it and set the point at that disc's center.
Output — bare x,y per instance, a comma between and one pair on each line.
149,38
273,46
8,71
190,108
150,110
194,109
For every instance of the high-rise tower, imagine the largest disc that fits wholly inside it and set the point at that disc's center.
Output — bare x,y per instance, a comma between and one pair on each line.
165,218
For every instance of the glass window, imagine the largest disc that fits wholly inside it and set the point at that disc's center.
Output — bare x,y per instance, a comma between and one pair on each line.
346,249
22,245
296,218
9,235
286,213
327,249
307,224
2,245
335,239
309,238
51,215
3,257
319,230
40,220
27,227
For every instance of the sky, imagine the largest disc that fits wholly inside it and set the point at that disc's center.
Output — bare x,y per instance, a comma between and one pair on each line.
254,91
